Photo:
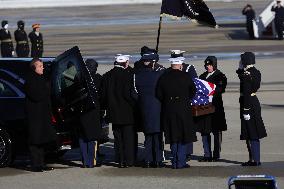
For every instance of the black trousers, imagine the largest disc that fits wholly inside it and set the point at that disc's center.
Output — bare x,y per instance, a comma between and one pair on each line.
279,29
153,147
37,155
124,137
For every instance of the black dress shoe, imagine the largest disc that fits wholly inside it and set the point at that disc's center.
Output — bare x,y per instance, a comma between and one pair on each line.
188,157
46,168
121,165
36,169
184,167
205,159
251,163
98,165
127,165
160,164
215,159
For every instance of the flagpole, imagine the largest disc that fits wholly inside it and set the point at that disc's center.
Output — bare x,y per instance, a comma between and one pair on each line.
159,32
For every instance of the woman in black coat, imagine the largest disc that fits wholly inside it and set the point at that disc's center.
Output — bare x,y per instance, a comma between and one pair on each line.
216,122
252,126
38,114
90,130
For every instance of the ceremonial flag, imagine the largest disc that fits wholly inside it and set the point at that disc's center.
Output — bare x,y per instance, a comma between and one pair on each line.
192,9
204,92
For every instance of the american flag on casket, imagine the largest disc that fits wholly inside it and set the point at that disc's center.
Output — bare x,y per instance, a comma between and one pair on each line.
204,92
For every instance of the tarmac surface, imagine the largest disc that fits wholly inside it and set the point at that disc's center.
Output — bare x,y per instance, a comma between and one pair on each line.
105,40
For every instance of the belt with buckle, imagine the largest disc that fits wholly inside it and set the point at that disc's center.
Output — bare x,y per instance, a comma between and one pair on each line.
22,42
6,41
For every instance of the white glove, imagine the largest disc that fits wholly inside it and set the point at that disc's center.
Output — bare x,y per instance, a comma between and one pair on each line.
13,53
246,117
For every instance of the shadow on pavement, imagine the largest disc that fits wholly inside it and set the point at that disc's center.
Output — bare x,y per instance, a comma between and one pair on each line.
268,168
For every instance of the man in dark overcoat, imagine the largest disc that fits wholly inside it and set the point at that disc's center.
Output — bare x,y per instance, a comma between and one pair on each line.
119,103
38,111
279,19
7,49
36,40
217,119
190,70
90,131
175,90
22,43
145,82
252,126
250,16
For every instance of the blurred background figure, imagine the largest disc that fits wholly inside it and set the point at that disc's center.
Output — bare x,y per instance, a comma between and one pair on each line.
7,49
36,41
279,19
22,43
250,15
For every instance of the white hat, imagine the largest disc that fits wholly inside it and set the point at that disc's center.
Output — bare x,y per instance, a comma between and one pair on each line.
122,58
177,51
176,60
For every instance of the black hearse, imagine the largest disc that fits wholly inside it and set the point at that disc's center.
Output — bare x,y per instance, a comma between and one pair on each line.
67,101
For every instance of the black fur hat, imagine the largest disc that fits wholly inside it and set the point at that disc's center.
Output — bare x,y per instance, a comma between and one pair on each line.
211,60
4,22
247,58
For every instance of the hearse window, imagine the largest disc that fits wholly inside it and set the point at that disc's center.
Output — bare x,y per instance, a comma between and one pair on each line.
6,91
68,76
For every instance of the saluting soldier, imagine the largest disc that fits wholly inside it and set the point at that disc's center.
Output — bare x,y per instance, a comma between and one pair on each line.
279,18
21,37
252,126
217,119
250,16
190,70
117,100
36,41
7,49
175,90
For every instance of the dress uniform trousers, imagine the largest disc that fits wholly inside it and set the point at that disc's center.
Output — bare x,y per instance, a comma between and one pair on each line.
153,147
124,143
254,150
88,152
178,151
189,149
206,140
279,28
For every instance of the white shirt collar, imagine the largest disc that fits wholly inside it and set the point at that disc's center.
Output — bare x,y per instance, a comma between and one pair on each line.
209,74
